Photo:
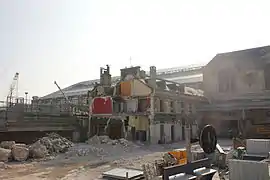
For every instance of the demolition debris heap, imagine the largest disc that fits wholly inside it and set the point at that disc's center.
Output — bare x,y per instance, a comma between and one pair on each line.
46,146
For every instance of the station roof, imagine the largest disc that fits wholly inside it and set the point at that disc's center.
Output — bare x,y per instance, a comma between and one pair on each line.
83,87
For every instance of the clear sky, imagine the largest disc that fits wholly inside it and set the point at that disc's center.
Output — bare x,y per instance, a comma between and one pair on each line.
68,40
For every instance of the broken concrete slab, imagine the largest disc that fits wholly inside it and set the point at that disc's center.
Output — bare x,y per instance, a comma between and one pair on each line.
7,144
5,154
38,150
120,173
20,144
248,170
258,146
20,153
2,165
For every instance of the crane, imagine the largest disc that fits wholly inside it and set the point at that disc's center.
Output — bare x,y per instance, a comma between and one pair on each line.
74,107
13,87
68,101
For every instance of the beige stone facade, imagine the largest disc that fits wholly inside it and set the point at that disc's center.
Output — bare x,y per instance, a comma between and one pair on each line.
237,85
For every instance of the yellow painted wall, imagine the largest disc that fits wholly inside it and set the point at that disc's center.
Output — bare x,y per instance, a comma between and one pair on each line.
140,123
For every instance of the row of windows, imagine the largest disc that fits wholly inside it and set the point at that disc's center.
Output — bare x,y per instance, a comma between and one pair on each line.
73,100
180,106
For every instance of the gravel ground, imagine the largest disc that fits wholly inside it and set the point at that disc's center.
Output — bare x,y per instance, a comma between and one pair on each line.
84,161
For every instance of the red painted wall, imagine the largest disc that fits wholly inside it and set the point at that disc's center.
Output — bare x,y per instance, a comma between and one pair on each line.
102,105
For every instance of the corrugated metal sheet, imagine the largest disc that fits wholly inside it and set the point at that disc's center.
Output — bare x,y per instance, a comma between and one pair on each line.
248,170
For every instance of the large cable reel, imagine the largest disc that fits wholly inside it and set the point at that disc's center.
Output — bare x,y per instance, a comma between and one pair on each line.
208,139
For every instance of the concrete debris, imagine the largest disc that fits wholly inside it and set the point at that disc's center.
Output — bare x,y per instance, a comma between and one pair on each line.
3,165
38,150
149,171
197,152
169,159
106,140
101,146
122,161
55,143
83,152
20,153
7,144
5,154
20,144
44,147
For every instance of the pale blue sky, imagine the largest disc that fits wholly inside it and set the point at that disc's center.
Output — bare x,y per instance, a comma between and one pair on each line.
68,40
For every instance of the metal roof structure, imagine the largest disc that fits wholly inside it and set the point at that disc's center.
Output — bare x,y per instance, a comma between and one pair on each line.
258,55
83,87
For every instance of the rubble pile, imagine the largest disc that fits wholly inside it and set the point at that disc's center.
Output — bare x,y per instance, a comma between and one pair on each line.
48,145
106,140
85,151
55,143
100,146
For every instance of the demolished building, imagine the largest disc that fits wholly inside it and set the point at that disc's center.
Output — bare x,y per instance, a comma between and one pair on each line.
142,107
190,76
237,85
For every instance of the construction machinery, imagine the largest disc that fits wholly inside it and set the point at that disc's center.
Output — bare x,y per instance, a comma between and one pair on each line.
76,109
180,164
13,90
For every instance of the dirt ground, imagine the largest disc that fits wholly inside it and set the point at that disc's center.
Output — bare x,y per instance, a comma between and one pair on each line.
90,163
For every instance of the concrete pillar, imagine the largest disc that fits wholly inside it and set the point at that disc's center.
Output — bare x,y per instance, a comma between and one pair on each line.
178,132
152,115
188,144
157,104
167,131
175,106
153,76
76,136
89,127
152,83
124,133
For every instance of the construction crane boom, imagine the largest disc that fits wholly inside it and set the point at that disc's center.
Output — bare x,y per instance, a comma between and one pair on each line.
13,86
62,92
